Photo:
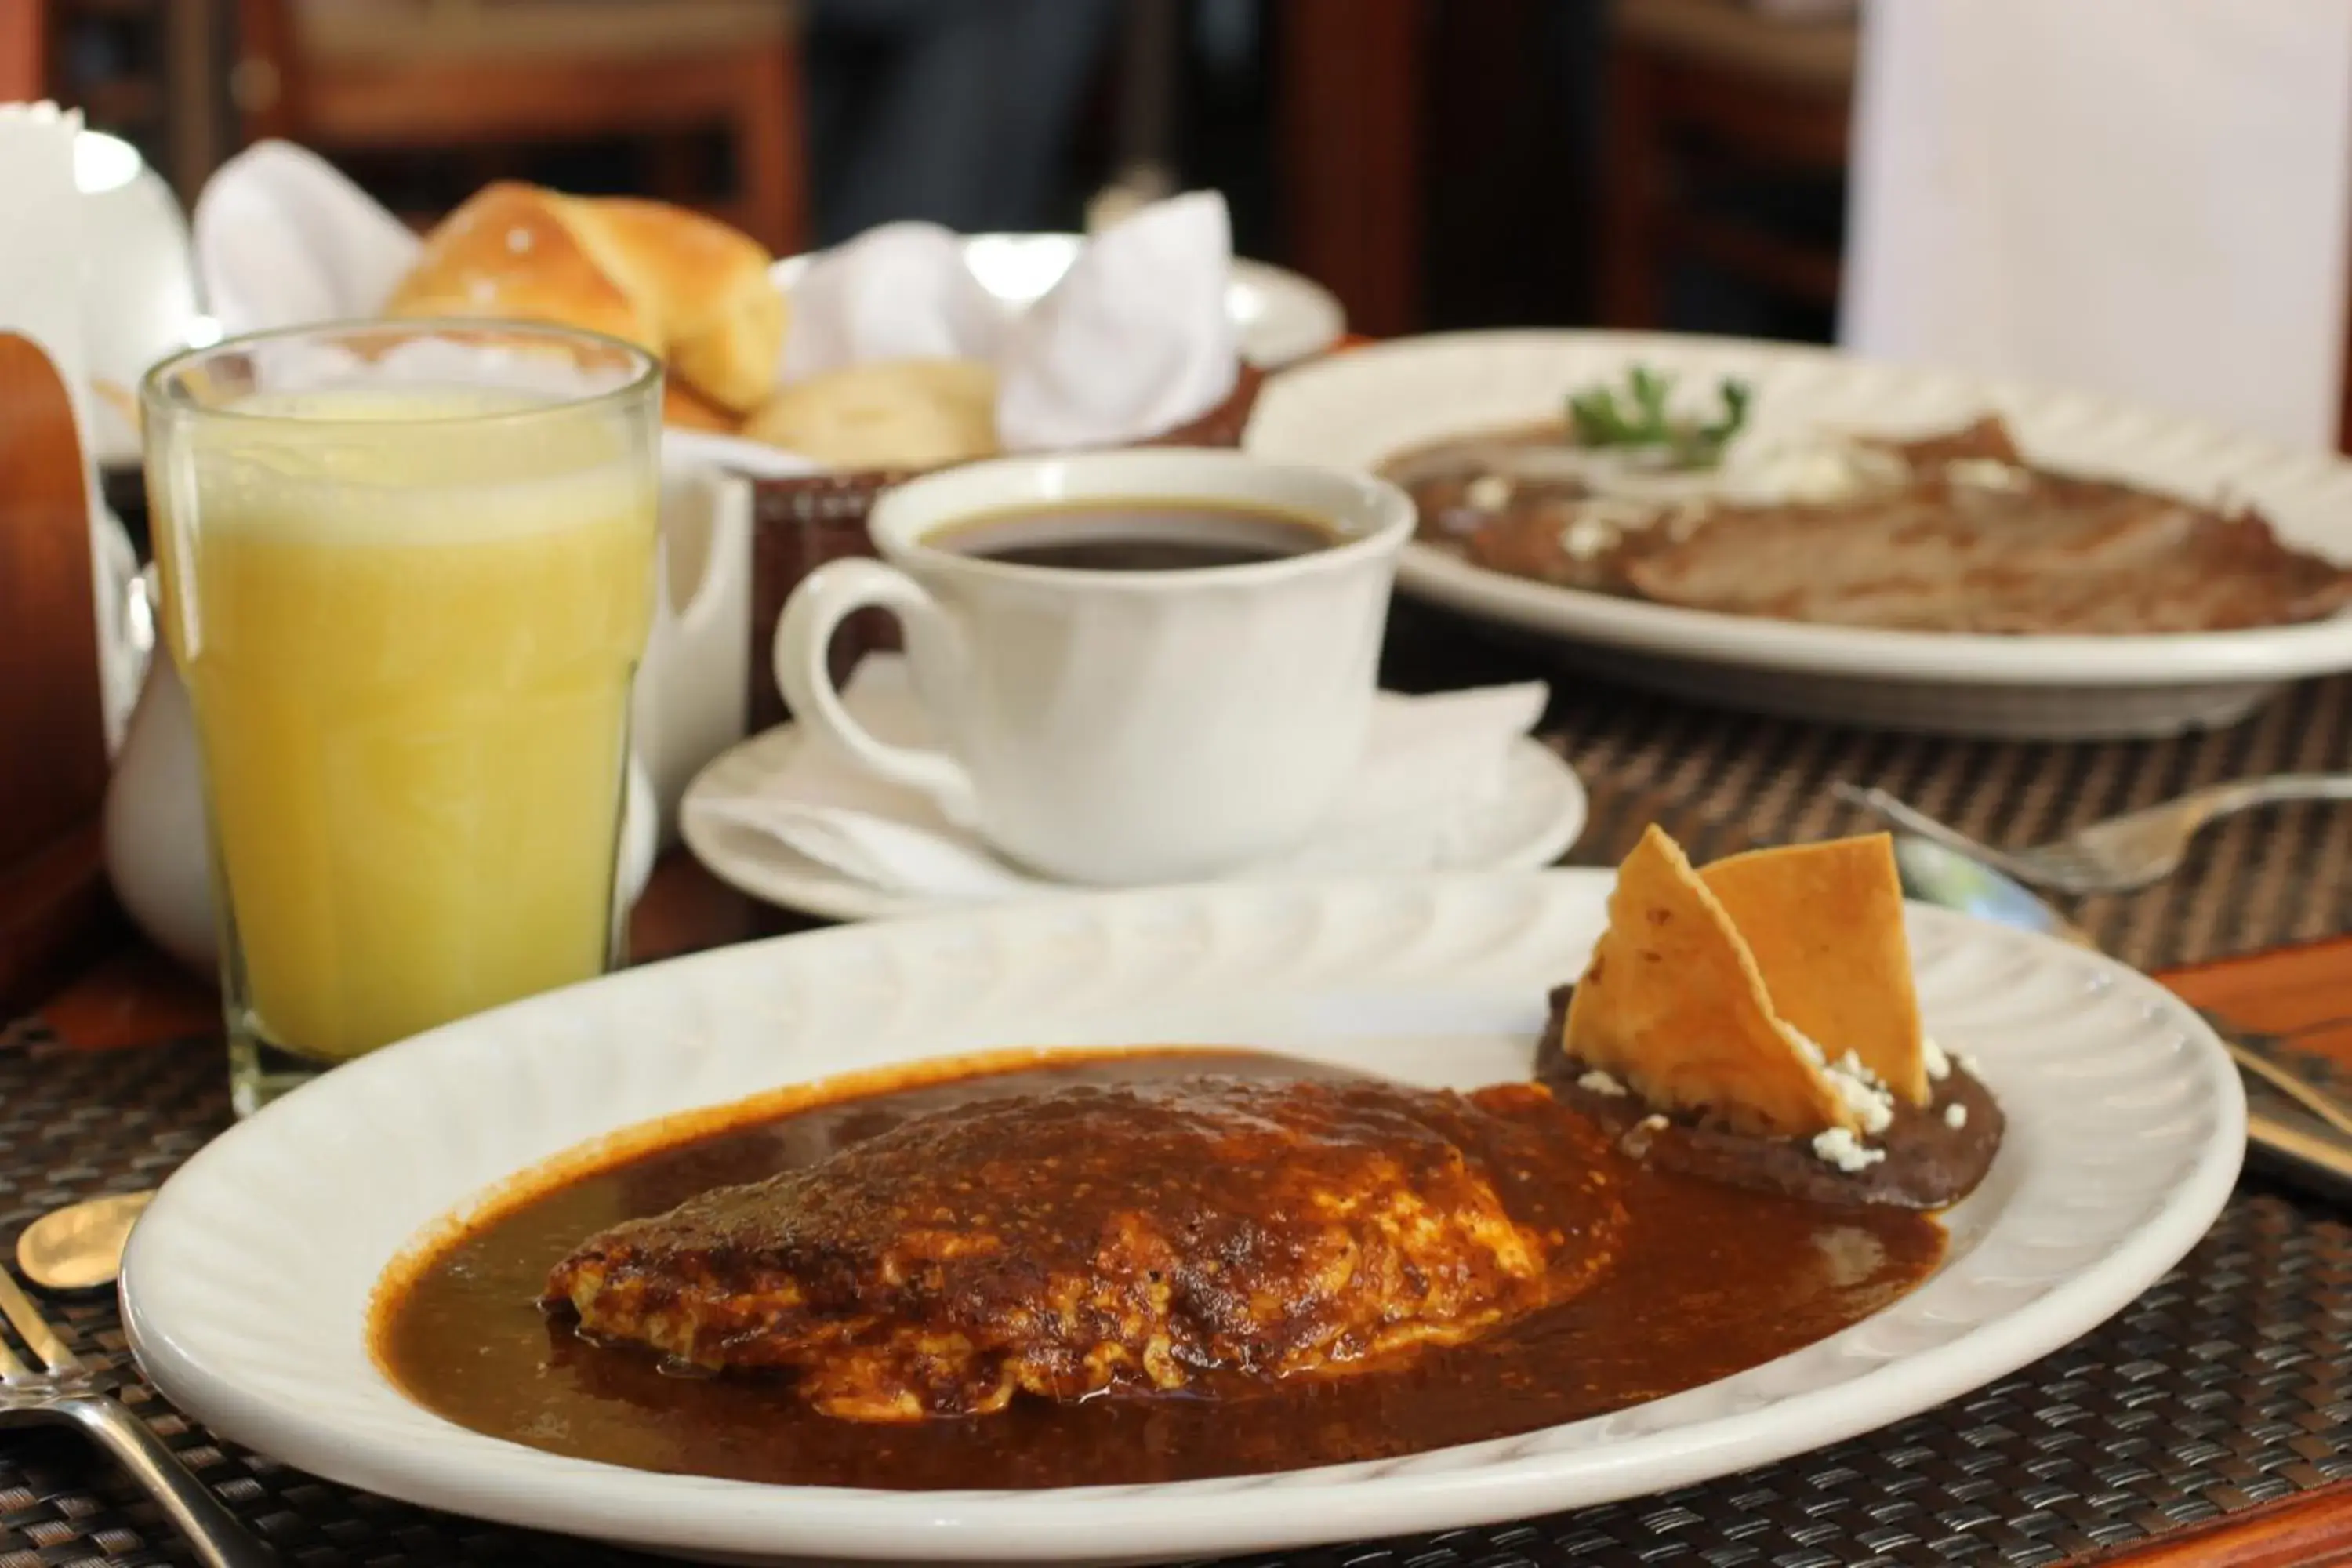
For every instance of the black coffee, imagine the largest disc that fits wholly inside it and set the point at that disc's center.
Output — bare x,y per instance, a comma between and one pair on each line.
1135,536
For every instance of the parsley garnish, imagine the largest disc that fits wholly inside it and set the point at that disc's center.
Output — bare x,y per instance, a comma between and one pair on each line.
1639,417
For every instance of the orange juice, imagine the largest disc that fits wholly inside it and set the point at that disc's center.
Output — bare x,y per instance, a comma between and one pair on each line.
408,622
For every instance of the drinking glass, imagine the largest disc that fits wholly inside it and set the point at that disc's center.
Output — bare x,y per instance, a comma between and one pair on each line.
407,574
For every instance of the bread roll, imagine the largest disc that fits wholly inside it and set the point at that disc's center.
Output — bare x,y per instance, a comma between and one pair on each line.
898,414
705,285
685,287
683,408
508,253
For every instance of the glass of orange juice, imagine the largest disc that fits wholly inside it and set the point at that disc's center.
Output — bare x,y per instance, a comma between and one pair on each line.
407,574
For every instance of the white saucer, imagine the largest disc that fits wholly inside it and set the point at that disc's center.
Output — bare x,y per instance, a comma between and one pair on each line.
1532,823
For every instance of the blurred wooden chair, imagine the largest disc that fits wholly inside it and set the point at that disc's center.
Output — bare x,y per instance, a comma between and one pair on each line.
1721,82
1350,130
153,72
24,50
2344,392
344,76
53,898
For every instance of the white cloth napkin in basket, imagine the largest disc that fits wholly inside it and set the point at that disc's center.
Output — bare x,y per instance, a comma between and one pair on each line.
1430,765
1133,341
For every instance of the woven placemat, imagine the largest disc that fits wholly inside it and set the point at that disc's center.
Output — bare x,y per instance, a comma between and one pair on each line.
2228,1385
2252,882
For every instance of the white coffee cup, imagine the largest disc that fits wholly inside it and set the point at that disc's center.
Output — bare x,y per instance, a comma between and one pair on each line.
1112,726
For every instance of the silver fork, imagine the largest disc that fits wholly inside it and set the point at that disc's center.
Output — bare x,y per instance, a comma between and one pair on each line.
68,1392
2122,852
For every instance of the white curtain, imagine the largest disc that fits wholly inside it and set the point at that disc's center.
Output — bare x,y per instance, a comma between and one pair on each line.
2146,198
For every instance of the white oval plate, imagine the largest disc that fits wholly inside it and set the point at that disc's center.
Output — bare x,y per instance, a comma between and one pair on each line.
1532,821
1281,317
1359,409
246,1289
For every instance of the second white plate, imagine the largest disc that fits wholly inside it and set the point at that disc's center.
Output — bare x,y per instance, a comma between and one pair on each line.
1359,409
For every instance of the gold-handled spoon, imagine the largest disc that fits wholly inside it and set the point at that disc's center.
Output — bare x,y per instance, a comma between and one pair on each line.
80,1246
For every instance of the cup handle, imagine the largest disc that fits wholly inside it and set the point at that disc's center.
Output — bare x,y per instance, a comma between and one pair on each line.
826,597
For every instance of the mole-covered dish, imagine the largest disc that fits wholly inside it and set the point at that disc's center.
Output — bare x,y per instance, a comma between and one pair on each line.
1154,1264
1954,531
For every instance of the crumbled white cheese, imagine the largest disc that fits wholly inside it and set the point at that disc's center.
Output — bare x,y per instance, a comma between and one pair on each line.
1840,1147
1854,1066
1939,1066
1814,469
1863,1092
1871,1103
1955,1115
1873,1108
1598,1082
1588,537
1618,513
1601,523
1635,1139
1645,486
1986,473
1488,492
1795,473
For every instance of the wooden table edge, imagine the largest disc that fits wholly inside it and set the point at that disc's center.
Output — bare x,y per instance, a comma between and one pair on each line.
2309,1530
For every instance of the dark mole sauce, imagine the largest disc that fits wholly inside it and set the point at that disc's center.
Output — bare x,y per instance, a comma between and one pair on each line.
1715,1279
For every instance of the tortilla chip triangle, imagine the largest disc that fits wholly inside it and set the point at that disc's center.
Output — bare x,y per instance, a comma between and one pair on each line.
1824,923
1673,1005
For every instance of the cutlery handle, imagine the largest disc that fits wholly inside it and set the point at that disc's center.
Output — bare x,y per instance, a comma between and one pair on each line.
2310,1096
1916,822
2277,788
220,1542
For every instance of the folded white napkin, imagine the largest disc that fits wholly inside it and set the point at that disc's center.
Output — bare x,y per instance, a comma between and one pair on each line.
2146,198
41,264
283,239
1133,341
1134,338
1431,765
899,291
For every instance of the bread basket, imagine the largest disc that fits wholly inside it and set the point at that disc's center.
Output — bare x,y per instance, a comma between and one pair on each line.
800,523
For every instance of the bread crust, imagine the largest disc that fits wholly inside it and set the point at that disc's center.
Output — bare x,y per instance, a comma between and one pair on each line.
680,285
